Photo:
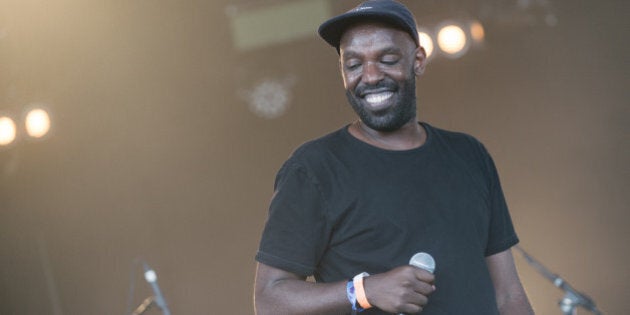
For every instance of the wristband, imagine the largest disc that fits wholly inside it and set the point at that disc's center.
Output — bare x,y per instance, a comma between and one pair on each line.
352,297
360,290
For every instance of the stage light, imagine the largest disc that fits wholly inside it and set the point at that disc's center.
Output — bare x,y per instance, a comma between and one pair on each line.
452,40
271,97
7,131
477,33
426,42
37,123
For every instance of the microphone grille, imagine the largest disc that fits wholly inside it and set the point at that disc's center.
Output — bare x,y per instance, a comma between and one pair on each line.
423,261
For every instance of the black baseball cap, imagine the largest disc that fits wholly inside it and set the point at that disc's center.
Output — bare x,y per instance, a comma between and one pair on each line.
385,11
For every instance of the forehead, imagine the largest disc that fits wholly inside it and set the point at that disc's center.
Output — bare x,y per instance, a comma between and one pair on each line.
374,35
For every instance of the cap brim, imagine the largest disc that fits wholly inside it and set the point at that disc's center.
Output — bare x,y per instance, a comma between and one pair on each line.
332,30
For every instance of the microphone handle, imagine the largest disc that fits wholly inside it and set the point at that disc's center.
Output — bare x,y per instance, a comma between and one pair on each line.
426,263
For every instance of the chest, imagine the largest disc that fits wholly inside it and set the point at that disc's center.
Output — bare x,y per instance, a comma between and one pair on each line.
397,209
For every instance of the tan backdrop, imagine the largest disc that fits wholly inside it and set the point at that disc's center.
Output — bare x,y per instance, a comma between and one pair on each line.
154,153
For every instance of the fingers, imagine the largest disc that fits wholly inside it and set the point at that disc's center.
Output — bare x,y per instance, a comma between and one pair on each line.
422,287
418,295
403,289
410,309
423,275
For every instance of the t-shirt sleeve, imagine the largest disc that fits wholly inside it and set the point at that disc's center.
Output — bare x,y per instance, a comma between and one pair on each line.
501,235
294,236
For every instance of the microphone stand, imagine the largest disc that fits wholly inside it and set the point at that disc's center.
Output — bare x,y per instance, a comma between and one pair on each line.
144,306
572,298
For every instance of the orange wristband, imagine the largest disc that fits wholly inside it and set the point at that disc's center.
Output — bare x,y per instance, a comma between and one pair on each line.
360,290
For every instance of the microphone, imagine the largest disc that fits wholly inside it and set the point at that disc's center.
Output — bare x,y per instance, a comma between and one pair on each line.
423,261
151,277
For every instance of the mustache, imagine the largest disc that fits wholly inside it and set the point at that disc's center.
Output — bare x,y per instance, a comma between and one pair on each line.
383,85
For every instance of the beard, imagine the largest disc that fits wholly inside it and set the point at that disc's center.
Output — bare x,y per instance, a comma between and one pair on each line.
393,117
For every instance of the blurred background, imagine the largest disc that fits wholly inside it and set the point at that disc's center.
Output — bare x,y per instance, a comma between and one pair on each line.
162,123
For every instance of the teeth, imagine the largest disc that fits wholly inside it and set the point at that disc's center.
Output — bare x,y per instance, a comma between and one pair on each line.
378,97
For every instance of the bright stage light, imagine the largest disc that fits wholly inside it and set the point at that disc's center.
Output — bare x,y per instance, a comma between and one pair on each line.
452,40
426,42
7,130
477,32
37,123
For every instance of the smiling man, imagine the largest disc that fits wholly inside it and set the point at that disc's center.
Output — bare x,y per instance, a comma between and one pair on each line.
350,208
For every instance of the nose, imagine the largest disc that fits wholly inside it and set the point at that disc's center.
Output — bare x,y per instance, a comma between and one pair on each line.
372,74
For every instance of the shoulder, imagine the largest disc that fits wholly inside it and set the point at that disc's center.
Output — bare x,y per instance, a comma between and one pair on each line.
459,141
315,156
317,149
462,148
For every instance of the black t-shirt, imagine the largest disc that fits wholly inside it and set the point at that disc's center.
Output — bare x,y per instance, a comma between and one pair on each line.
342,207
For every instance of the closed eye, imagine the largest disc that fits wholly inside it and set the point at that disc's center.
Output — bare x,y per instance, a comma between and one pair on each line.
352,65
390,60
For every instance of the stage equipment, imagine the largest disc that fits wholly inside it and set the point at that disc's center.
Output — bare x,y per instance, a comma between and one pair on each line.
262,23
37,123
7,130
157,298
477,32
452,40
572,298
144,306
271,97
426,41
151,277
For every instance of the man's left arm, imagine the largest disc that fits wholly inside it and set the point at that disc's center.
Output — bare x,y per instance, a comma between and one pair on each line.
510,294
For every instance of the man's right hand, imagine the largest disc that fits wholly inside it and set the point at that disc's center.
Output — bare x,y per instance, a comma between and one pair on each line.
401,290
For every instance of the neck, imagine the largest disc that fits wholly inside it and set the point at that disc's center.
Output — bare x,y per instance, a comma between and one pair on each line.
410,136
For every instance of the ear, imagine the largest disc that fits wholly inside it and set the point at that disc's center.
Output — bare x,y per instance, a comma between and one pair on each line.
420,61
343,75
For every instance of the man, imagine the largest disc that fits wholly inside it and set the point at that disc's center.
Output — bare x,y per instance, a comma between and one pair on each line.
352,207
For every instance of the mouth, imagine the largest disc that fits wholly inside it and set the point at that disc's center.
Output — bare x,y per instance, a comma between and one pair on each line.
378,101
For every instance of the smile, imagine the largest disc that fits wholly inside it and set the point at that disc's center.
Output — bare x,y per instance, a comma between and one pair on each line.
378,100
